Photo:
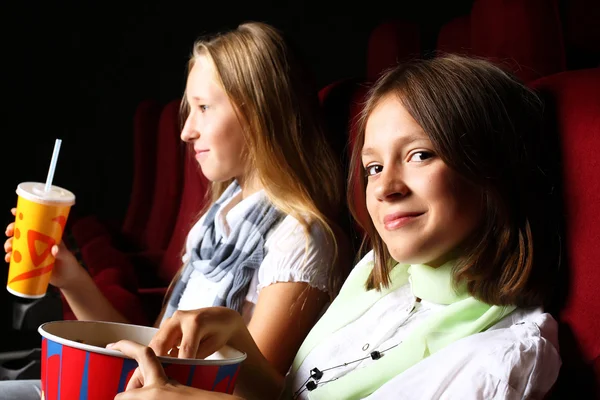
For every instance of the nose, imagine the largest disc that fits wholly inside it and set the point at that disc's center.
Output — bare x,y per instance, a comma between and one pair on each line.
189,132
390,186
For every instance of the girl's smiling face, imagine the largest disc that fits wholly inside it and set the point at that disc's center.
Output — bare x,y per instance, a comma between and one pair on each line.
422,209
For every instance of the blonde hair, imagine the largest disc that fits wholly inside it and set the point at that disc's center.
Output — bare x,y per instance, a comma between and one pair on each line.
281,122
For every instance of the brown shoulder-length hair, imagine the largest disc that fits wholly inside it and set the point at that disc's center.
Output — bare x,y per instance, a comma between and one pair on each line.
487,126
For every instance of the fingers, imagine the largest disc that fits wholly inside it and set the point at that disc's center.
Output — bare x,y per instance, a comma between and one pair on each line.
8,245
173,352
136,381
190,339
8,249
179,336
187,334
208,347
54,251
10,229
167,337
150,368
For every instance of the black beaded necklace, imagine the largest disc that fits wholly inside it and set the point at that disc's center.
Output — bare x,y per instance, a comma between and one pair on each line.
314,380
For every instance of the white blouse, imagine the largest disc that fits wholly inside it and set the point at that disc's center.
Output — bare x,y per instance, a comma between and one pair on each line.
516,358
288,257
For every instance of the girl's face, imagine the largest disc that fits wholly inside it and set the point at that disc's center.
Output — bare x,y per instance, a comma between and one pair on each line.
420,207
213,126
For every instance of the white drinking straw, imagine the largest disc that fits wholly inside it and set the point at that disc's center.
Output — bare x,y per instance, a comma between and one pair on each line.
52,165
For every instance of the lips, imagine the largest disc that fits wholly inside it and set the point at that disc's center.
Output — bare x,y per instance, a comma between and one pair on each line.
399,219
201,154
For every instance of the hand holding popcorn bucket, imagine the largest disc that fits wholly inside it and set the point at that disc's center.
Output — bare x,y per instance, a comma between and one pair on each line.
76,365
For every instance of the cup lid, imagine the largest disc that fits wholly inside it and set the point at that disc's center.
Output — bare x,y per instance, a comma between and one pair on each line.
34,191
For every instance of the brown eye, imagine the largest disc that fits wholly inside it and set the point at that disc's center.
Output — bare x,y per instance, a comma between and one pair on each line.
371,170
420,156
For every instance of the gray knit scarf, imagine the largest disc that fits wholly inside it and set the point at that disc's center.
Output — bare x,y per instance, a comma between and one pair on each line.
231,262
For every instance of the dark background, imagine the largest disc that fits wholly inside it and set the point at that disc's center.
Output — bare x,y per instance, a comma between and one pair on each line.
76,71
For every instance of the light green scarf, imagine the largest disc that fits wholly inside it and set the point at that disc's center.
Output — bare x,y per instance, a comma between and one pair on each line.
463,316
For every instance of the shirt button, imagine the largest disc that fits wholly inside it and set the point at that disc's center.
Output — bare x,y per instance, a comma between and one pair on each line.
365,347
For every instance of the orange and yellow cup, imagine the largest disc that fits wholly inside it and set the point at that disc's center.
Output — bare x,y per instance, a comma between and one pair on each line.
39,224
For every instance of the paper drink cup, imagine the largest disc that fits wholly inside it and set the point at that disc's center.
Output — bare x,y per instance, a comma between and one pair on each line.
77,366
39,225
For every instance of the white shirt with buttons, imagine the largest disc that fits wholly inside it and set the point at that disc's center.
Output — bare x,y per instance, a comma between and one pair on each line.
514,359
